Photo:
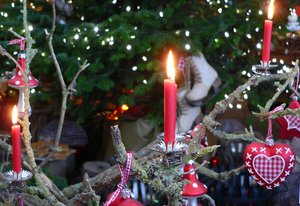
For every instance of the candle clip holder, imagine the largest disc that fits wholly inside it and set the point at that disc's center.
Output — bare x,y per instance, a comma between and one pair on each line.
263,68
12,176
172,154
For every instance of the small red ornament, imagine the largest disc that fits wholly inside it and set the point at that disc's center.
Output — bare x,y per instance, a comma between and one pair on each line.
194,132
130,202
290,124
214,161
269,165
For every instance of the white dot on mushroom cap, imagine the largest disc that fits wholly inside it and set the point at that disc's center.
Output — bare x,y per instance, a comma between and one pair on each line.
29,78
20,73
17,82
195,185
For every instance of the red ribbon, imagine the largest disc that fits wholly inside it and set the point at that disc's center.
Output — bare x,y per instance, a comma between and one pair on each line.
125,173
296,85
20,41
269,138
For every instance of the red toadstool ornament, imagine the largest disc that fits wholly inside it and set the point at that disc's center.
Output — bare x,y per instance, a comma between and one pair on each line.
290,124
194,188
18,81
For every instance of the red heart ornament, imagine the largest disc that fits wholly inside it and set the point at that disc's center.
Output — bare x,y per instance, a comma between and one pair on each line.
269,165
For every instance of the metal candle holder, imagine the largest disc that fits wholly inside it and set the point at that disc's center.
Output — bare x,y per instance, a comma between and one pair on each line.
264,68
11,176
173,155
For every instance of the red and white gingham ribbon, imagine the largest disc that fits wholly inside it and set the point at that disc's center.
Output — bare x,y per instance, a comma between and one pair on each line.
20,200
269,138
125,173
296,85
20,41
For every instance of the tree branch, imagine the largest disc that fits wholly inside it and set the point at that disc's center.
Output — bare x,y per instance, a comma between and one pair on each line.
4,52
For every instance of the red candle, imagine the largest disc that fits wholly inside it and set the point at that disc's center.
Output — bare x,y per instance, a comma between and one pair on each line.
298,10
16,142
170,97
268,35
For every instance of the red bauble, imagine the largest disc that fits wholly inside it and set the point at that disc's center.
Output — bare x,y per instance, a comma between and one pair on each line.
130,202
117,201
290,124
214,161
269,165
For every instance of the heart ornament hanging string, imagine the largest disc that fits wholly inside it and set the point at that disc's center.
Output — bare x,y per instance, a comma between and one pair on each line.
269,163
116,197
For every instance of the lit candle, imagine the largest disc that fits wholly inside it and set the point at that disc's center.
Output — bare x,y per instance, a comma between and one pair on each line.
16,142
298,14
267,35
170,97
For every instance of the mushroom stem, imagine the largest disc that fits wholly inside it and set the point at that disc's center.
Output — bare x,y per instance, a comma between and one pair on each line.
21,104
192,201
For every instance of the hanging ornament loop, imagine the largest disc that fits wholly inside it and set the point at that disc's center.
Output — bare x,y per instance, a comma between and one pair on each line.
295,86
20,41
269,138
125,173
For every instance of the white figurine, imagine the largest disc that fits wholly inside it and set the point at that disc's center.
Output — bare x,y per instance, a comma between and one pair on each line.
293,24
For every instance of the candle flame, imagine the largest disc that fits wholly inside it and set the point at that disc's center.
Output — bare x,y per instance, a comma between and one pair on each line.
271,9
170,66
15,115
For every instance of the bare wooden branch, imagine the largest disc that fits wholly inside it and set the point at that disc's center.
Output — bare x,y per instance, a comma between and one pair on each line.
4,52
65,90
223,176
49,36
16,34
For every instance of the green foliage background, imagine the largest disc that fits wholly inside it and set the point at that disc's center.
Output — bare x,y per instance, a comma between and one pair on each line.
110,76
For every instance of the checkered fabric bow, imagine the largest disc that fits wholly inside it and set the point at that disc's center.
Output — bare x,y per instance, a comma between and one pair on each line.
20,41
269,138
125,173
